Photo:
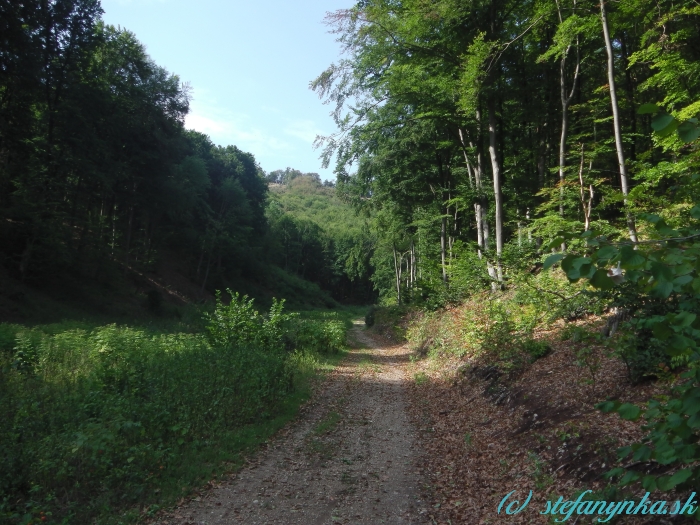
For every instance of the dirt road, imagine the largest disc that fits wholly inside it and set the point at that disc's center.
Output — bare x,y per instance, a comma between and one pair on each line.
350,458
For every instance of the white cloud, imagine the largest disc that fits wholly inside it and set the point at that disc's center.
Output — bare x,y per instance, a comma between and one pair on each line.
204,124
224,129
305,130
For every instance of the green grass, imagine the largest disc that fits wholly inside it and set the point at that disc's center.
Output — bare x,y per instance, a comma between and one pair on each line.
420,378
317,441
328,424
102,420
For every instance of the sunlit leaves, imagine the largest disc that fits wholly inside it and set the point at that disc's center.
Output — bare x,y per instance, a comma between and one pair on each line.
665,124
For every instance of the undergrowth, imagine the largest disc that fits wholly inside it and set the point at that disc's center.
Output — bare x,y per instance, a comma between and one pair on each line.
498,327
105,423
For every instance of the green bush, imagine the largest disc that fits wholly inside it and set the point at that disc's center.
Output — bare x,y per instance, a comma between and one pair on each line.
238,322
536,349
323,337
369,317
657,283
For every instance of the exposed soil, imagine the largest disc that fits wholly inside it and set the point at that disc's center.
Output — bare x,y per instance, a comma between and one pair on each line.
350,458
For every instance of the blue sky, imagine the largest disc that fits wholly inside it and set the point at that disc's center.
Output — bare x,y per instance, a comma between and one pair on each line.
249,65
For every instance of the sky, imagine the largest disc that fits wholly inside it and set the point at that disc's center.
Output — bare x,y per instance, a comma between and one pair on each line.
248,64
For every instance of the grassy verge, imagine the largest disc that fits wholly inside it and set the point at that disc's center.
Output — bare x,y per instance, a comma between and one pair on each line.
109,424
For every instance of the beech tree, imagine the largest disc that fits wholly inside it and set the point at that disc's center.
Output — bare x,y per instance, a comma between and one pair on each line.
432,100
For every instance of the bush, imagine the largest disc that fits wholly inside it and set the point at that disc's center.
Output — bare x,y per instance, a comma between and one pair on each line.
238,322
536,349
323,337
369,317
93,413
657,285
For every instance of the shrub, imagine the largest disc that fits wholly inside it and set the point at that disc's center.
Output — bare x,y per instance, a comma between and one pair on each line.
369,317
238,322
323,337
536,349
657,283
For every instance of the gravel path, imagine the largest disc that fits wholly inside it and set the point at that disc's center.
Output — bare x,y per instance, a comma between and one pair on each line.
350,458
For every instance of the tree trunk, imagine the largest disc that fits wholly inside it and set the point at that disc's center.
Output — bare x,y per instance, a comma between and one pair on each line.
565,101
496,170
624,183
481,205
413,262
443,232
586,207
397,273
128,239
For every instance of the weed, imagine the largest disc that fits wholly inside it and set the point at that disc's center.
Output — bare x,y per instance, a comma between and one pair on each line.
536,349
542,479
420,378
109,415
569,431
589,358
328,424
347,478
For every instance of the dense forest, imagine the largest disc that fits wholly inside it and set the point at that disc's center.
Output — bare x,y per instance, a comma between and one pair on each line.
526,163
477,129
111,211
99,176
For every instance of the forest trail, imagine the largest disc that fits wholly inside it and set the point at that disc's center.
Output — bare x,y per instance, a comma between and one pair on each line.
350,458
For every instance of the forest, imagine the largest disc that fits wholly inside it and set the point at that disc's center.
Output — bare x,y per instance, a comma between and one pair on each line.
99,175
508,174
524,164
486,128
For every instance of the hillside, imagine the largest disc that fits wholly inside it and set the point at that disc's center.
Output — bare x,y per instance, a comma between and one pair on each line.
319,237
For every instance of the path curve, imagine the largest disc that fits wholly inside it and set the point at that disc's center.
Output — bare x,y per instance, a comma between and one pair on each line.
351,458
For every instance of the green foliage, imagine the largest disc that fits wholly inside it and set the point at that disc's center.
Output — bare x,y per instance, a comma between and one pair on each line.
316,236
299,293
316,335
661,293
536,349
420,378
239,323
99,417
496,327
388,320
369,316
328,424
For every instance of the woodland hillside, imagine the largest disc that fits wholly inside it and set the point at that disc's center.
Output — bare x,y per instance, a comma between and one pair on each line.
517,193
102,187
526,164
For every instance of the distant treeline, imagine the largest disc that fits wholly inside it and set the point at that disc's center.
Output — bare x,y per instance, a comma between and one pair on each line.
97,171
288,175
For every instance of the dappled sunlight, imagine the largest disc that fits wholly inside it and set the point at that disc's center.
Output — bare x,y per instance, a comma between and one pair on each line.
372,363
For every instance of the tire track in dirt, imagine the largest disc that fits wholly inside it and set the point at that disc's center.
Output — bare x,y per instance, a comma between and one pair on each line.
351,458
